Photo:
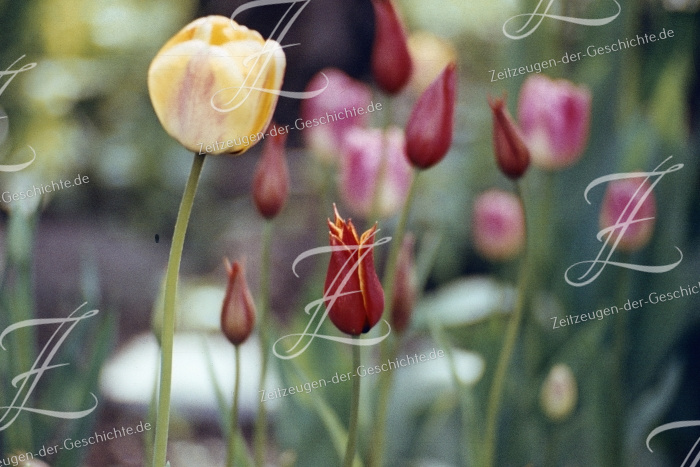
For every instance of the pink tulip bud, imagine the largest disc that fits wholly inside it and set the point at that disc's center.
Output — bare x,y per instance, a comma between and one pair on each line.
621,199
373,163
554,116
238,311
271,180
499,225
405,286
391,61
512,154
430,125
333,110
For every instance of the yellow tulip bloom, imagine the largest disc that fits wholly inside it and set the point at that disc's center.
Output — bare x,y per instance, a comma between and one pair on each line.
214,85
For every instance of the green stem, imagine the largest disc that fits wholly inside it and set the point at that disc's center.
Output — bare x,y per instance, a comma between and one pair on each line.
168,328
619,344
354,409
386,347
512,332
261,421
234,410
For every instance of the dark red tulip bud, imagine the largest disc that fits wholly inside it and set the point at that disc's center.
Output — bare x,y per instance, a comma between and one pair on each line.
405,286
353,294
391,61
429,128
238,311
512,155
271,180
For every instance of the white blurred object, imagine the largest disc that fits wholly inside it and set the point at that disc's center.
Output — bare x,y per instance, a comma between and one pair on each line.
129,376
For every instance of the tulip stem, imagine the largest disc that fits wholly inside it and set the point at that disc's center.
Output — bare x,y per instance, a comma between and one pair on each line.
261,420
512,332
386,348
354,409
234,409
168,328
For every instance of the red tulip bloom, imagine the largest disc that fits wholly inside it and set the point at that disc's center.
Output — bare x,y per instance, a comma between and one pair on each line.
353,294
271,180
512,155
238,311
391,60
429,128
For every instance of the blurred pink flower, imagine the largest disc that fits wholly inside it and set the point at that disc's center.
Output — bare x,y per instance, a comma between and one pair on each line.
620,200
342,94
371,157
499,225
554,116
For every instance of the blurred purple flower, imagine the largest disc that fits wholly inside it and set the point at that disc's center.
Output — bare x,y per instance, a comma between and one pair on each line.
374,160
333,109
499,225
554,116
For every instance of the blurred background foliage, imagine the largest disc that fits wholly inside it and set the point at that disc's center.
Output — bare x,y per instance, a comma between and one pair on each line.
85,110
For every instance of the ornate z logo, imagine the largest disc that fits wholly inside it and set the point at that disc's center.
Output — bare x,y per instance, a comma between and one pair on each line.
672,426
614,233
304,339
278,34
30,379
12,74
530,23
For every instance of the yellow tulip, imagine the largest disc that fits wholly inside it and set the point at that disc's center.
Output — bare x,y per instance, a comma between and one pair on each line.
214,85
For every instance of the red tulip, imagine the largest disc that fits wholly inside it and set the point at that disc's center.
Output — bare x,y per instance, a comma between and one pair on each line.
512,155
238,311
405,286
391,61
353,294
429,128
554,116
271,180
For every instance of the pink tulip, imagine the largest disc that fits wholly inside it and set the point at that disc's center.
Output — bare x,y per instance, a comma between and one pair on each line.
329,108
554,116
620,200
371,157
499,225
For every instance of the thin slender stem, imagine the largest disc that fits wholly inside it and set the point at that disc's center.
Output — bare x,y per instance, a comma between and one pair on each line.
386,347
234,410
512,332
261,421
354,409
168,329
619,344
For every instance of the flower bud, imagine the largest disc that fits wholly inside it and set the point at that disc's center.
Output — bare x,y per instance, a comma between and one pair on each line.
271,180
238,311
512,154
559,393
430,125
499,225
353,294
373,164
621,199
405,286
554,116
391,62
341,93
214,84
